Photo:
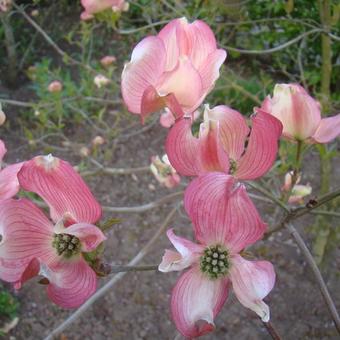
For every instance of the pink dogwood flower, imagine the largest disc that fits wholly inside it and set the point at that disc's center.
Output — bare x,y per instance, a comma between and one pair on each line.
34,245
300,115
225,221
93,7
9,184
220,145
176,69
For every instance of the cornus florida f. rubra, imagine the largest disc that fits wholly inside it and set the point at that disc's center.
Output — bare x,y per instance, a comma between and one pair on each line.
225,222
163,171
298,191
175,69
300,115
9,184
220,145
93,7
33,245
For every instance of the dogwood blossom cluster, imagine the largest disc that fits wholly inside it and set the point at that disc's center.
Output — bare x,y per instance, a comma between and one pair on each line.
171,72
175,70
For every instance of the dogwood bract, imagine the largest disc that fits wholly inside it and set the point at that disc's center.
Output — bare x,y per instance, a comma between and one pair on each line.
300,115
33,245
225,221
175,69
9,184
220,145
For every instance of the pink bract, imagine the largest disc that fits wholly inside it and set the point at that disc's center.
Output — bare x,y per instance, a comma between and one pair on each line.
175,69
225,221
163,171
34,245
300,115
220,145
9,184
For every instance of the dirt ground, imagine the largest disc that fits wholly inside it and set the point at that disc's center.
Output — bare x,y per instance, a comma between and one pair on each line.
138,306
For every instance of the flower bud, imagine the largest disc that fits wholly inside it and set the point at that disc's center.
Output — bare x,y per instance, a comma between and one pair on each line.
55,86
300,115
108,60
84,151
5,5
98,140
298,192
100,80
164,173
35,13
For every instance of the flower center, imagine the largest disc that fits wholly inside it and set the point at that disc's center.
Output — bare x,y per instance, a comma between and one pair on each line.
232,166
215,262
66,245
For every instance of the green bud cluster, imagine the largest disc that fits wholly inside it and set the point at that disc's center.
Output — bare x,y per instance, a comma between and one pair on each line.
66,245
215,262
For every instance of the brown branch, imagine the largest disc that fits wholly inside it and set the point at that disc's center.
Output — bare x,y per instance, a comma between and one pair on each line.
319,279
115,171
271,330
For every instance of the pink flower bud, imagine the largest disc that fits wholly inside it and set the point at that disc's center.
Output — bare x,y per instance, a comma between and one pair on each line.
84,151
5,5
98,140
35,13
55,86
108,60
100,80
298,192
165,174
300,115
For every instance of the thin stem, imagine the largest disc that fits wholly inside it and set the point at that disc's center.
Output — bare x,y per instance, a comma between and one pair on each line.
271,330
319,279
269,195
277,48
103,290
325,213
127,268
115,171
145,207
320,201
298,212
135,30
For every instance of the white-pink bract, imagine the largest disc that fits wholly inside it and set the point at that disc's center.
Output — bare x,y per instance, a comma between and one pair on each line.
164,172
298,192
34,245
2,117
225,222
9,184
300,115
176,69
220,145
96,6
